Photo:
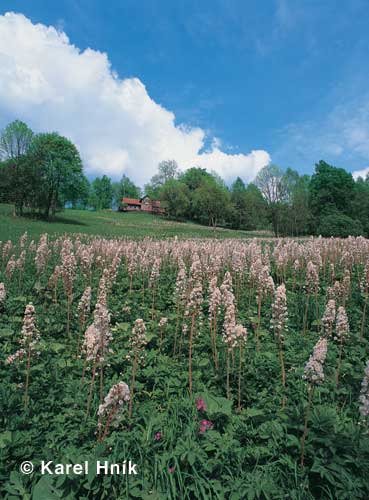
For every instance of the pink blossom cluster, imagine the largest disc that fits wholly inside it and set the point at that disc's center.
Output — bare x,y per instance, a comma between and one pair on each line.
240,336
215,299
53,280
43,253
226,286
91,343
200,404
138,340
342,325
102,324
312,278
98,335
23,240
84,306
181,283
314,368
265,283
364,282
364,395
10,267
69,265
195,299
7,249
205,425
163,322
155,272
279,311
30,336
2,294
229,323
20,262
329,317
113,402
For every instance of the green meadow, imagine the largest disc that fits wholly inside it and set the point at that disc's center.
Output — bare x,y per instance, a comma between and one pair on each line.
108,224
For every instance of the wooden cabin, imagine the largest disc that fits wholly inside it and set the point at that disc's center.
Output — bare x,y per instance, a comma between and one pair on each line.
144,204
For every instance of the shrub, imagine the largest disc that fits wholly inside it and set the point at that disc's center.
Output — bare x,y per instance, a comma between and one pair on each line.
340,226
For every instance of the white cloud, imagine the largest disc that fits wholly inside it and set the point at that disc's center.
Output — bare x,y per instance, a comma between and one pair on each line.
52,85
340,137
360,173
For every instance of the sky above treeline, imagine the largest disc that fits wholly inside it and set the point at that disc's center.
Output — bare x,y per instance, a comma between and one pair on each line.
227,85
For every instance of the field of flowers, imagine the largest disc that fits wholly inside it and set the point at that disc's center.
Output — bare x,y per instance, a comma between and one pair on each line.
233,369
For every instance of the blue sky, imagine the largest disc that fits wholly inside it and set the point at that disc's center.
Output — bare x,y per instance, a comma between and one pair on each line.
286,77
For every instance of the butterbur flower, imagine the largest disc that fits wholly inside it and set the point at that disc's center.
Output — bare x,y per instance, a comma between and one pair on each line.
329,318
240,336
115,398
157,436
19,264
181,283
312,278
126,309
279,311
364,283
91,343
314,375
226,286
43,253
205,425
29,340
84,306
9,270
155,272
30,334
342,325
103,289
229,323
19,355
314,368
342,332
2,295
53,280
200,404
163,322
137,340
364,395
215,300
23,240
6,249
112,407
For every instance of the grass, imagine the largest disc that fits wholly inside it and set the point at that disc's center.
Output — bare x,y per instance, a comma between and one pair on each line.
108,224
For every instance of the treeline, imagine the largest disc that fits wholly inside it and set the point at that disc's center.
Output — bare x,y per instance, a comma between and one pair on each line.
43,173
329,202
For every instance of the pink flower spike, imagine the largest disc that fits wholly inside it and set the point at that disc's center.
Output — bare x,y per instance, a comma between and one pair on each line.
200,404
171,469
157,436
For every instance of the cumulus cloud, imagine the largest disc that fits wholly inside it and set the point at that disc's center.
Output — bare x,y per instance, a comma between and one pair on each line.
360,173
52,85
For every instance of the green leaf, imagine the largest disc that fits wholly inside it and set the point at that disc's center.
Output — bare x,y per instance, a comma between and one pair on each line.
44,490
217,406
5,439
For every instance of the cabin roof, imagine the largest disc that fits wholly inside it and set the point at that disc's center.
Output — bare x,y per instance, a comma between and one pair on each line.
132,201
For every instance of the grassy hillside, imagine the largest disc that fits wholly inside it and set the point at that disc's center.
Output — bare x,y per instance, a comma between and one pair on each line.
106,223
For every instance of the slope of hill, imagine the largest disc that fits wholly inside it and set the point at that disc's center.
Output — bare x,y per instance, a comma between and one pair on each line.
109,224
